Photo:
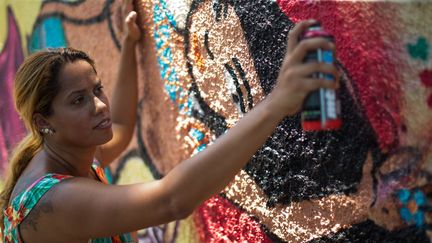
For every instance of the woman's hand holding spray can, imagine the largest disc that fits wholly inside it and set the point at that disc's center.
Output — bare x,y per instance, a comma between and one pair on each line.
321,109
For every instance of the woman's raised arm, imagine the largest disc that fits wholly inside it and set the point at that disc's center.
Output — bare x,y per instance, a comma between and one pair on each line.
125,94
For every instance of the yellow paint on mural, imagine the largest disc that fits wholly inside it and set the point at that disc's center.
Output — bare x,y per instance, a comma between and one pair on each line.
25,12
134,171
187,232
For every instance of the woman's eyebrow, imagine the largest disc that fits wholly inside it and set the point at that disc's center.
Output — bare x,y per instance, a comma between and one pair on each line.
79,91
75,92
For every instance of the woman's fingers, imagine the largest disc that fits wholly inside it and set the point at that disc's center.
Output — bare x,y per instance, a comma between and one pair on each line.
296,78
128,12
130,18
306,71
133,31
311,84
299,53
294,34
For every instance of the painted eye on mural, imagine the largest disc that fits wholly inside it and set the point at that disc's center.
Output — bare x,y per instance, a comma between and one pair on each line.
207,46
233,73
235,88
221,7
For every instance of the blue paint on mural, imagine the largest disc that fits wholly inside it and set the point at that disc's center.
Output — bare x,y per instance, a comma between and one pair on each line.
48,34
163,19
412,206
196,134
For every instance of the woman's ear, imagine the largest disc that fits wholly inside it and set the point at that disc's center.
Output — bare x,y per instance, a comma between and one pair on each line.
41,122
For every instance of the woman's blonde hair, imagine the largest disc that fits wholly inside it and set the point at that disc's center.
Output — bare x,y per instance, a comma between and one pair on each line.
36,85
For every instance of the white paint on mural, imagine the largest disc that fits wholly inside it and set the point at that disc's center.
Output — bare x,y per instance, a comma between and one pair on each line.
180,10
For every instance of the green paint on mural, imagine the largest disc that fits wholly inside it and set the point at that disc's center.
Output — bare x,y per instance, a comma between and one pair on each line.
419,50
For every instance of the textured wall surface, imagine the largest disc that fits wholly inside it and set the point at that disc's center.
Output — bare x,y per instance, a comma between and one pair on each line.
204,64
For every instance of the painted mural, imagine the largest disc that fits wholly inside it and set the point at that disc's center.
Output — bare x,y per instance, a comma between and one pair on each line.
11,129
203,64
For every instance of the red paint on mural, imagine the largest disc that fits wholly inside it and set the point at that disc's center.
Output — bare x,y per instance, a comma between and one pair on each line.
221,221
426,79
362,32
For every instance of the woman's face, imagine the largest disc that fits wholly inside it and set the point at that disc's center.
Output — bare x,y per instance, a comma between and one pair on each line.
81,113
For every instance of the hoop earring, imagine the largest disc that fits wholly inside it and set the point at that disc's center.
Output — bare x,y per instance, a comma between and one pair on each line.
47,131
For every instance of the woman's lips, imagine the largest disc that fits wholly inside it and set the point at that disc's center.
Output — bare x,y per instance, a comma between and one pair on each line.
105,123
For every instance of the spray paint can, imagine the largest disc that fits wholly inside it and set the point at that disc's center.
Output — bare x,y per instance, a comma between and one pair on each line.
321,109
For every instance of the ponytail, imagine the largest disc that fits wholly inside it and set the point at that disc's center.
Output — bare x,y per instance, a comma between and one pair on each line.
21,157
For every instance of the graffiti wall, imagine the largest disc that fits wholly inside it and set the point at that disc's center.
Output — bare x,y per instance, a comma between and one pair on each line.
203,64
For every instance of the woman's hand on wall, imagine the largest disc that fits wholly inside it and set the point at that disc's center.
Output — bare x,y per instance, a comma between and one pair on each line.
132,31
295,80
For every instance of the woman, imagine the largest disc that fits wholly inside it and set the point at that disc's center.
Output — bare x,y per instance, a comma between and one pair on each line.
54,192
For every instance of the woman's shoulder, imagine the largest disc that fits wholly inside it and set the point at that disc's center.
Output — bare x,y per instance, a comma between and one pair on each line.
40,174
32,188
34,173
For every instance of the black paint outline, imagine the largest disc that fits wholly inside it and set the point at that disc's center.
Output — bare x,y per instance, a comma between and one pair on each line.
104,14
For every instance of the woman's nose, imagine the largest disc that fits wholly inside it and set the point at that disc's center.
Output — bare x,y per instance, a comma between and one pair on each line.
100,105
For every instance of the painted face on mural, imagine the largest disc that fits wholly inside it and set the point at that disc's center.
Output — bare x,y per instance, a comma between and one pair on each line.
81,115
311,165
246,61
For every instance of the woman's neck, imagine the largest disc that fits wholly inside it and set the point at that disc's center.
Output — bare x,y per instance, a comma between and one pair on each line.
76,161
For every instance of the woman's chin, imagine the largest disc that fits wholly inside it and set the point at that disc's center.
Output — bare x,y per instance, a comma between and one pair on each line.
106,137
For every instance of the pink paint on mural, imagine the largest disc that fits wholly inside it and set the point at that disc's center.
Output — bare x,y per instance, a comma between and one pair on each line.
3,150
11,128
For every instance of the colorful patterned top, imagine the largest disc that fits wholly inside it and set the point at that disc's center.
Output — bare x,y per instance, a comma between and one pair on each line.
24,202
